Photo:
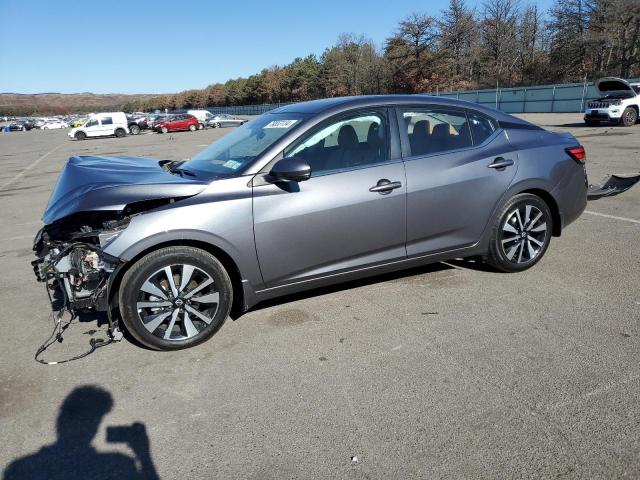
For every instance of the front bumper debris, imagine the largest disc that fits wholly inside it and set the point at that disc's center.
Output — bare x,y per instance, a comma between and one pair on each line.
613,185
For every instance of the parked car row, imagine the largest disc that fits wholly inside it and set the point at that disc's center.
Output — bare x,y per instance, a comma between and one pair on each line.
120,124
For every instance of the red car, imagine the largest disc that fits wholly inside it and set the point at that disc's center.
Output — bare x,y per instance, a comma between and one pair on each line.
178,123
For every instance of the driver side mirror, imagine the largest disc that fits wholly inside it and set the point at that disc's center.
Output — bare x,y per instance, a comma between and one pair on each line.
292,169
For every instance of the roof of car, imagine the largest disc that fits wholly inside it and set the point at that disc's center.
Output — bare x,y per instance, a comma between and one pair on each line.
343,103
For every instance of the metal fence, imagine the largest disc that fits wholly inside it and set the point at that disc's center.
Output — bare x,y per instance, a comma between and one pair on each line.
565,98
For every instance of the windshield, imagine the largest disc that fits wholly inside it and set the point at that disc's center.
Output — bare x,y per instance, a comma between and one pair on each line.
239,148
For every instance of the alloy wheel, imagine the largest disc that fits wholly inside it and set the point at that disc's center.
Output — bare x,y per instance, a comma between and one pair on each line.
523,233
177,302
630,116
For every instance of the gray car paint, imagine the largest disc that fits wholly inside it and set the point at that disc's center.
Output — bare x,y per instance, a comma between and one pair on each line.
331,228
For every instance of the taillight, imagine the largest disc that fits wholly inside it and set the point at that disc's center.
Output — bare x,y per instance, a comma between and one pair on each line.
577,153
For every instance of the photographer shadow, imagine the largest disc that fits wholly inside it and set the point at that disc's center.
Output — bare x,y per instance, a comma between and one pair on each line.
73,457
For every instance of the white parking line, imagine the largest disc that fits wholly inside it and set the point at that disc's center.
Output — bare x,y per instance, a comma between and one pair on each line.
29,167
624,219
28,223
11,239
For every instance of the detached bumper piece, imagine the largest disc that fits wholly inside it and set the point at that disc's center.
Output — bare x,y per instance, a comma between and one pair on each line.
613,185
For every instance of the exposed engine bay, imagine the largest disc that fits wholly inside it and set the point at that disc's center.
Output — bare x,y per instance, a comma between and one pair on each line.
92,203
75,267
70,253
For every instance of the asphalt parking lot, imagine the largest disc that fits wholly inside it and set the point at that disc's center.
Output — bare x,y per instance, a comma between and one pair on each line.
450,370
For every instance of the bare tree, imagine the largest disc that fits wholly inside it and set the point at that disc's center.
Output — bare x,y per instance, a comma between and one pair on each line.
459,34
410,50
498,25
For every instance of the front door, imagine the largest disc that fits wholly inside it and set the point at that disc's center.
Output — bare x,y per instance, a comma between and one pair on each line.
350,213
92,128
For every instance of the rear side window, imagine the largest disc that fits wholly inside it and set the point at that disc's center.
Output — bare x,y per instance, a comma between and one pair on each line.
434,130
107,121
481,127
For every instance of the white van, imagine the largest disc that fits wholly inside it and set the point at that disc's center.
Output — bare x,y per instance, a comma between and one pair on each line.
102,125
201,115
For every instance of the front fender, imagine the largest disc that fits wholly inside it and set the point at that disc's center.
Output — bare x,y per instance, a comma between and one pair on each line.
226,225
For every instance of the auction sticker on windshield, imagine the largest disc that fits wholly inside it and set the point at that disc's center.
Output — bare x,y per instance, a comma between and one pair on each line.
232,164
280,124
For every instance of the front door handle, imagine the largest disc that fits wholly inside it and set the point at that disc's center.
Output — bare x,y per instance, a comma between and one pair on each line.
385,186
500,163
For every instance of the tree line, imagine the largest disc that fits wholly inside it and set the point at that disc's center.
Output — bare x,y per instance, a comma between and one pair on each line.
502,43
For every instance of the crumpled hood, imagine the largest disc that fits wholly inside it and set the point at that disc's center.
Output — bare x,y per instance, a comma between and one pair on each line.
110,183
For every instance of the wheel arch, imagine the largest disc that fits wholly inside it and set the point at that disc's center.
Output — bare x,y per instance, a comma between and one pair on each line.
553,207
239,304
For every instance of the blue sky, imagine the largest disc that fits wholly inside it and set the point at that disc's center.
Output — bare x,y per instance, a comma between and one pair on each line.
166,46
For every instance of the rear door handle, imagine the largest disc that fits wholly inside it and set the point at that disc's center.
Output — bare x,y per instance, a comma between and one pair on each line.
499,163
385,186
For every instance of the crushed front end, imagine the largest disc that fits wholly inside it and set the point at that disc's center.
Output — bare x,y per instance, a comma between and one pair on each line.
72,262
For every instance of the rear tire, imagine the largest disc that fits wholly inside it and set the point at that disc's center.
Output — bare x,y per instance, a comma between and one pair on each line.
80,135
179,321
120,133
629,117
192,128
134,129
521,233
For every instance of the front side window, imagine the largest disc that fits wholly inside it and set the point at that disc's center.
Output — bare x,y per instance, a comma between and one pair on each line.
91,123
435,130
107,121
353,141
236,150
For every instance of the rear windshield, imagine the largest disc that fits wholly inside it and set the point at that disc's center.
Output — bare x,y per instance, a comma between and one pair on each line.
238,149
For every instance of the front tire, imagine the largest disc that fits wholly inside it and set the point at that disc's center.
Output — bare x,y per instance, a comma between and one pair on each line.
175,298
80,135
592,123
134,129
164,130
629,117
521,233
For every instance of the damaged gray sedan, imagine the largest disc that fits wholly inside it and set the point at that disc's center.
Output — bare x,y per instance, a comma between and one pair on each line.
307,195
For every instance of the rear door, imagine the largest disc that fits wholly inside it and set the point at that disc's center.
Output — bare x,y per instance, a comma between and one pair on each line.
106,126
459,164
349,214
